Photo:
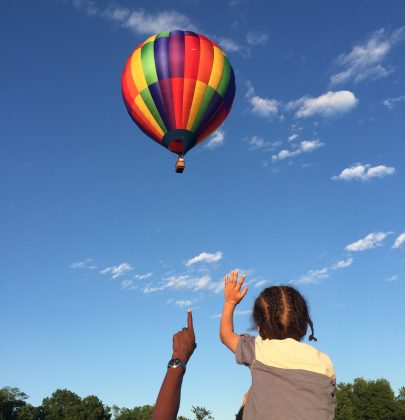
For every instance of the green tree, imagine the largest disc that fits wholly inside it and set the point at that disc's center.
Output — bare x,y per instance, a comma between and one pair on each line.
345,405
401,403
11,401
93,409
201,413
62,405
66,405
368,400
137,413
29,412
115,411
374,400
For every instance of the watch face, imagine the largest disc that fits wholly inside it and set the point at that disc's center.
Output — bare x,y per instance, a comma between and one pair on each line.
174,363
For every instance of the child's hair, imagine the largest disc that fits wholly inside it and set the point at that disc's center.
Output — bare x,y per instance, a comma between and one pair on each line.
281,312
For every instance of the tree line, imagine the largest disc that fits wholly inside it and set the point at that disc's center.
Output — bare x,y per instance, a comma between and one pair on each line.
360,400
66,405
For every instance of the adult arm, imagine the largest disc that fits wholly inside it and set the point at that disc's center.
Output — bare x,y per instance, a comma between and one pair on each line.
168,400
233,295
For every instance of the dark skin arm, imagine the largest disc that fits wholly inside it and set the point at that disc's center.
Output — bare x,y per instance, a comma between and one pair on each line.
168,400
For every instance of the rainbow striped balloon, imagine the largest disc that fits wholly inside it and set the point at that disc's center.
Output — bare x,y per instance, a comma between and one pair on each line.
178,87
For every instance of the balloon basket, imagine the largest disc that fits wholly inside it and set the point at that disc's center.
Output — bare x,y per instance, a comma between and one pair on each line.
180,165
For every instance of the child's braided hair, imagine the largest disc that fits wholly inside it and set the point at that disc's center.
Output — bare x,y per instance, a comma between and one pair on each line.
281,312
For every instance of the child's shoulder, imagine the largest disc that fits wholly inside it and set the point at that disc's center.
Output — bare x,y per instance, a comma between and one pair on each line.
292,354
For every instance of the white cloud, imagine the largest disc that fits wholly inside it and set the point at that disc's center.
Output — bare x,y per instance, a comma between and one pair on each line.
151,289
229,45
365,59
142,276
309,145
139,21
372,240
400,240
296,127
142,22
263,107
260,283
117,270
202,283
365,172
305,146
390,102
217,287
183,303
128,284
185,282
193,282
131,284
343,263
84,264
238,312
216,140
118,14
255,38
293,137
88,6
205,257
393,278
179,282
258,143
313,276
327,105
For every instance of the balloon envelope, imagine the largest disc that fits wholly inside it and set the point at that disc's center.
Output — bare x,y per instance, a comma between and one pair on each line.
178,87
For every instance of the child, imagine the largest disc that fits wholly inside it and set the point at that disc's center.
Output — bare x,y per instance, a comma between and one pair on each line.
290,379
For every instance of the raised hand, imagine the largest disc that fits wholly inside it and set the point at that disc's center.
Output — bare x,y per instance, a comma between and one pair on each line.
232,288
168,401
184,341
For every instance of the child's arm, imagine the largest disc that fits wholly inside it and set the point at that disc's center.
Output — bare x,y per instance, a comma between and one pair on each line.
233,295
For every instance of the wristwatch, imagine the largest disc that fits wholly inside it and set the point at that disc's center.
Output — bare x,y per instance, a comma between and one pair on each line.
175,363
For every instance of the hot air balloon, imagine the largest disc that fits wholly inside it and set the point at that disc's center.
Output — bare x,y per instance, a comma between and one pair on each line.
178,87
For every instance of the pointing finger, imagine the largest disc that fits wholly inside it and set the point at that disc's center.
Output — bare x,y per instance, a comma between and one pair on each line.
190,319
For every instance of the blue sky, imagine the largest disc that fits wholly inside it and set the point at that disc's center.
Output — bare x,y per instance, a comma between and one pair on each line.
103,246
